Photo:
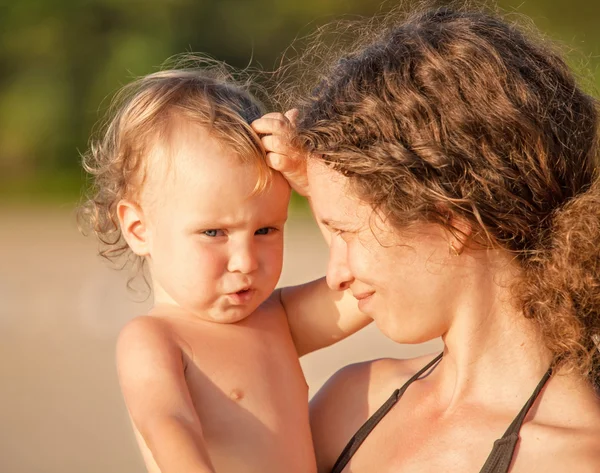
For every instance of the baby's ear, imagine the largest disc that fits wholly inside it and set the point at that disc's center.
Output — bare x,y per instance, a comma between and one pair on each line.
134,227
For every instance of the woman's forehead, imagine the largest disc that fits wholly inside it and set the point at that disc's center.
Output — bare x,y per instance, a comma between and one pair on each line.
332,196
320,175
326,183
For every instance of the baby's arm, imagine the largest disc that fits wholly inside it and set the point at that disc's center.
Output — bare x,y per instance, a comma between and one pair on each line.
151,372
318,316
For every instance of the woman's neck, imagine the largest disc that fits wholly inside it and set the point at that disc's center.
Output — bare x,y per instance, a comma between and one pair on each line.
490,347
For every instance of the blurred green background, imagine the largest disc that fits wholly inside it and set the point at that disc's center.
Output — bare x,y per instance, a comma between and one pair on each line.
61,61
61,307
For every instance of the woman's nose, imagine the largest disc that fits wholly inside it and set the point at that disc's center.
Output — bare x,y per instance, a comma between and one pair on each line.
339,277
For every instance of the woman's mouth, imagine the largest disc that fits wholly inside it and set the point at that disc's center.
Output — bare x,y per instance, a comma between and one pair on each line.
363,299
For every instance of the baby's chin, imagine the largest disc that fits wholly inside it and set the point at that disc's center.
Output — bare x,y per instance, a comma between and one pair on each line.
227,316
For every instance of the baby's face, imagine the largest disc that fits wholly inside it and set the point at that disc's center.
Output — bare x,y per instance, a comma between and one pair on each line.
215,250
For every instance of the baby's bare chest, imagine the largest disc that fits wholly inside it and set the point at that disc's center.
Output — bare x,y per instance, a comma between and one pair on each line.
251,397
255,372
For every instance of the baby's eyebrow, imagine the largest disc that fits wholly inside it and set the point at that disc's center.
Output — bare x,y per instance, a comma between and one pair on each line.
206,225
226,224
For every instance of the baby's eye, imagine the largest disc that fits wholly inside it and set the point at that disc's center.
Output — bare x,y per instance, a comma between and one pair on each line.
264,231
213,233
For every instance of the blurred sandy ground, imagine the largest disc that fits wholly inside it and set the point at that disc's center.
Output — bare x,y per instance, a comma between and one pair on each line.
61,308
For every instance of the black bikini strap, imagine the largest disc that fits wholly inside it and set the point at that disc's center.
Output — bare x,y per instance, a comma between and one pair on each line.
516,424
501,455
359,437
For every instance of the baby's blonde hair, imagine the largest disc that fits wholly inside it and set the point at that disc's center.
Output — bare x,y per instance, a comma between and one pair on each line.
140,116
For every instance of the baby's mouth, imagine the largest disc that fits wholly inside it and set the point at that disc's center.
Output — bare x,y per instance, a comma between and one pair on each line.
243,290
243,296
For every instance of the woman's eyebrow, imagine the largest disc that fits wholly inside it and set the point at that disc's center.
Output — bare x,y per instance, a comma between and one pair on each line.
330,223
336,225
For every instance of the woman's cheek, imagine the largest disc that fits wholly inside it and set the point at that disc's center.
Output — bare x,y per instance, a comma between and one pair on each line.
360,260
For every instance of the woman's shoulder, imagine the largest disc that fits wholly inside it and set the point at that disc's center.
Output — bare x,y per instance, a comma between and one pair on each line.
564,433
350,397
558,448
377,374
366,384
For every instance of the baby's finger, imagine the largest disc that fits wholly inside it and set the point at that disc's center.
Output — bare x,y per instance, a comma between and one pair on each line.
293,171
275,115
292,116
279,162
275,143
282,163
266,125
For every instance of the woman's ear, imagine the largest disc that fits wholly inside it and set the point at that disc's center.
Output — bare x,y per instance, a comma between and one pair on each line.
134,227
460,234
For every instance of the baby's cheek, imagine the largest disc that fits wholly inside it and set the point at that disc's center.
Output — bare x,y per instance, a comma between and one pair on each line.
206,267
273,261
213,256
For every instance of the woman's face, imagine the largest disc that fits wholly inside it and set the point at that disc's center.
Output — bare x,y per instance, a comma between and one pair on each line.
406,281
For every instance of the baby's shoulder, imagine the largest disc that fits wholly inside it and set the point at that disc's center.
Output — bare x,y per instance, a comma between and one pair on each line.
269,313
272,304
145,327
146,335
148,355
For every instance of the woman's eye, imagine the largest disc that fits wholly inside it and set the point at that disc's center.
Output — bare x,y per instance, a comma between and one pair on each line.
343,234
264,231
212,233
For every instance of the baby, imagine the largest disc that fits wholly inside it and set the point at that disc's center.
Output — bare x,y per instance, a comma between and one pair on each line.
211,376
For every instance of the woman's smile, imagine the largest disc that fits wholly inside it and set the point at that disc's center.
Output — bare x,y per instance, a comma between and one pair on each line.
363,299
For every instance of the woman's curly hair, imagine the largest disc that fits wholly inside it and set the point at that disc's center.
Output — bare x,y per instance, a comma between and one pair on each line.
199,90
457,111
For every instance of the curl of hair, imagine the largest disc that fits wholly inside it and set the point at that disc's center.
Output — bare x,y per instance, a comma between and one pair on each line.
457,111
562,292
198,89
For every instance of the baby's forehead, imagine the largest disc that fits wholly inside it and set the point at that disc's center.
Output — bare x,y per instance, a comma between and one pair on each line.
212,191
189,158
192,151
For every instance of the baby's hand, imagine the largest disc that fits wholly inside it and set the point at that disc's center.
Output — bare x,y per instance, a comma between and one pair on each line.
277,129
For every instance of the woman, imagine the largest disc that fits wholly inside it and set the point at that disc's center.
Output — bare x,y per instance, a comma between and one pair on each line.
453,161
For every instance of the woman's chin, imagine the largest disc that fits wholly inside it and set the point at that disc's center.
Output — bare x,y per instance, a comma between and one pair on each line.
409,334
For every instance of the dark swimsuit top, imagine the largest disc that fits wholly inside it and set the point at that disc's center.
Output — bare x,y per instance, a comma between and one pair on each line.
499,459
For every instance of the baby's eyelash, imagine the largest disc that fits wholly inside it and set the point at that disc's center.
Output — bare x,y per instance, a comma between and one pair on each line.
268,230
212,232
